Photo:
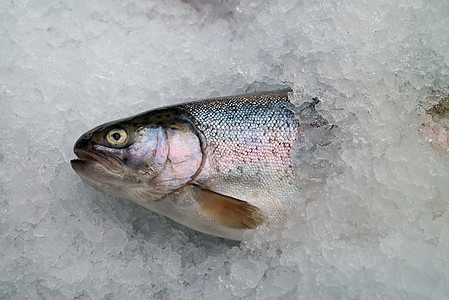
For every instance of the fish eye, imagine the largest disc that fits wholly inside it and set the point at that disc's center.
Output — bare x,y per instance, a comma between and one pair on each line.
117,137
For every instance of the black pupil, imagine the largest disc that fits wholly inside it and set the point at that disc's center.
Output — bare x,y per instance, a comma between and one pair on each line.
116,136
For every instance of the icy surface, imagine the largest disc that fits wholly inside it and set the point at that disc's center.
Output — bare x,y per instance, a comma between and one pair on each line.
372,219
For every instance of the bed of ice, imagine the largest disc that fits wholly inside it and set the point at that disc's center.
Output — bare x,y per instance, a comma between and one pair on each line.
372,219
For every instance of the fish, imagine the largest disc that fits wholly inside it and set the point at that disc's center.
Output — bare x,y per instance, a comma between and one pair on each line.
221,166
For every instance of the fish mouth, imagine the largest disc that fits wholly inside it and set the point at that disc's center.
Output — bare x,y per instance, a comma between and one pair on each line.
84,156
97,168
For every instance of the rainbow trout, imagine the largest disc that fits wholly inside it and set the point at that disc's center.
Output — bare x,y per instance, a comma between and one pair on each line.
220,166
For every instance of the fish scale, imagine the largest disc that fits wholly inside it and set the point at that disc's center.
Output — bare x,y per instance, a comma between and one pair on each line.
254,131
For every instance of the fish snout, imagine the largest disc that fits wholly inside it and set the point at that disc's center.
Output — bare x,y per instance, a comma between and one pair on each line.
83,148
83,142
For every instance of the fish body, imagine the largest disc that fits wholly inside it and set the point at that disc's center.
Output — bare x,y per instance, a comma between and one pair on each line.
220,166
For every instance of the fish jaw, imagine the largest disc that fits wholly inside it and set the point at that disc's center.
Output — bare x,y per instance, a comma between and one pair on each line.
101,172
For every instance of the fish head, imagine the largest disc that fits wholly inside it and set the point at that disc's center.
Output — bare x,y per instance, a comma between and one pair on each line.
143,158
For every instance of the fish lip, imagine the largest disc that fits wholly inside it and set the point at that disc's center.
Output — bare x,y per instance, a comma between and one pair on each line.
97,174
86,157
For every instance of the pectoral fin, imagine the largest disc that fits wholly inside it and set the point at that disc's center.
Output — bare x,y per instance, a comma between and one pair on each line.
227,210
